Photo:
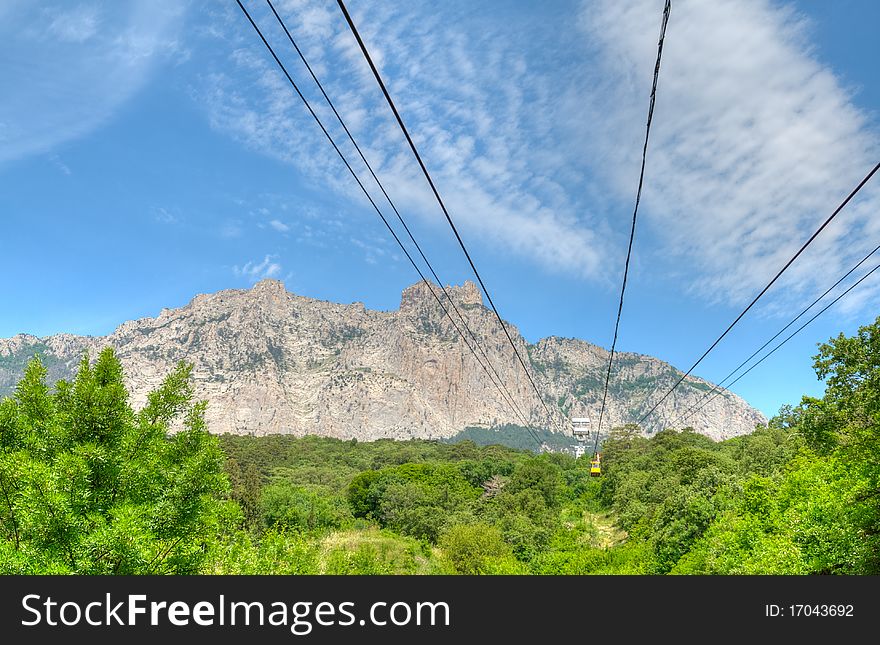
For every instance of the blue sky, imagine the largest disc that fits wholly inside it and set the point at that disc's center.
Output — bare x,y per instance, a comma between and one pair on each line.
149,151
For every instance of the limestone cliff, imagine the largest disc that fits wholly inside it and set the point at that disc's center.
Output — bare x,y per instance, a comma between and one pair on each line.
269,361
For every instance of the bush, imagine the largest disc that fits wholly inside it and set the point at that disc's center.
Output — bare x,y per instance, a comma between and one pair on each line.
295,507
467,547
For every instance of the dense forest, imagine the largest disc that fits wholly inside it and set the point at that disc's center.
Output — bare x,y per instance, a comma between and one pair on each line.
89,485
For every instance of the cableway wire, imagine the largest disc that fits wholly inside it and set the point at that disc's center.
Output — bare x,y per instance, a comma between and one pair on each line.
363,188
792,335
765,289
632,232
427,175
720,384
394,208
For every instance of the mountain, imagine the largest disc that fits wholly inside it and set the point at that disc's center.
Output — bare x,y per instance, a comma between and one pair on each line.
272,362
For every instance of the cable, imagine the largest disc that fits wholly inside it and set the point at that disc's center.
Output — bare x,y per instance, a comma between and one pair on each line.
766,288
394,208
356,178
440,202
632,232
794,333
721,383
360,184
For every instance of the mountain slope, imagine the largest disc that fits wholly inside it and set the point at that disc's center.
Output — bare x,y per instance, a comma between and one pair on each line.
269,361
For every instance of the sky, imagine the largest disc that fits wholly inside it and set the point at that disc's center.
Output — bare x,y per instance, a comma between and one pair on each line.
150,151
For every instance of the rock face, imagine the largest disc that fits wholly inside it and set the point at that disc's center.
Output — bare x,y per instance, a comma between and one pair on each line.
269,361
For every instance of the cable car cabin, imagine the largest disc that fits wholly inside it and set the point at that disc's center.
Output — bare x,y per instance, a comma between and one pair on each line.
595,466
580,427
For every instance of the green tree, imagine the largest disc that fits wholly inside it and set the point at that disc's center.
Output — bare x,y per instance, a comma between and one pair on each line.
246,486
524,519
88,485
539,474
296,507
416,499
468,547
851,370
410,509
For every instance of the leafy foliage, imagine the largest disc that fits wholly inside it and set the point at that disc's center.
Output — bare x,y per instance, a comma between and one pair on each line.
89,486
512,436
799,496
468,547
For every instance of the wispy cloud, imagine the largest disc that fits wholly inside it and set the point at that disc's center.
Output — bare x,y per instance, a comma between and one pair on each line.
471,100
163,215
73,65
536,148
754,141
259,270
279,226
373,248
75,25
299,218
58,163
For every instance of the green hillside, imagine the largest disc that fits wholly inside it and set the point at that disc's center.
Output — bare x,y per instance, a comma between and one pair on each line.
88,485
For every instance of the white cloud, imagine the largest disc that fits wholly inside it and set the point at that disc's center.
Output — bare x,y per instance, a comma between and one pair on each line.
754,141
279,226
76,25
163,215
255,271
470,101
72,67
536,149
373,248
58,163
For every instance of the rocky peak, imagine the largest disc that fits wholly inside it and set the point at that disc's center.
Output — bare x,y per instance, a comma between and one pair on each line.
416,296
468,293
269,361
17,343
269,286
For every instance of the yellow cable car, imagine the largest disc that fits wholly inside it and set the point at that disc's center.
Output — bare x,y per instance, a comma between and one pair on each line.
581,430
595,466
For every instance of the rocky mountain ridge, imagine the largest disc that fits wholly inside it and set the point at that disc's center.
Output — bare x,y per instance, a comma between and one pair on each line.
269,361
